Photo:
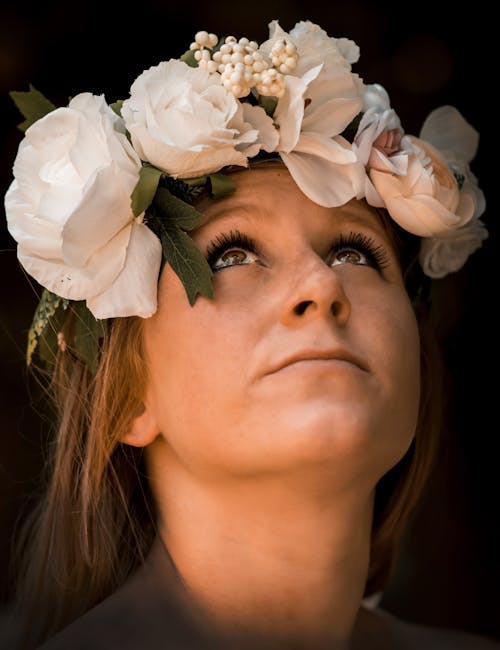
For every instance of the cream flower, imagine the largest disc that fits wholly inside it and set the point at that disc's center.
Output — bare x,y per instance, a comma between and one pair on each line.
426,201
68,208
321,99
183,121
314,47
434,196
447,253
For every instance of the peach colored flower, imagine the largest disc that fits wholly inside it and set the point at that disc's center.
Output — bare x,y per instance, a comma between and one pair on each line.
426,200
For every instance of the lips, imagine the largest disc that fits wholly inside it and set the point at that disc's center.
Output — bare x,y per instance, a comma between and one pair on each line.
319,355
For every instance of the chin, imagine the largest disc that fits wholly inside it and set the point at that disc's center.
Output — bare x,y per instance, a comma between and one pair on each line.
344,439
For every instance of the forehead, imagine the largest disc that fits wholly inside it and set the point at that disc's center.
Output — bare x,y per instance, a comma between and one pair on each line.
267,193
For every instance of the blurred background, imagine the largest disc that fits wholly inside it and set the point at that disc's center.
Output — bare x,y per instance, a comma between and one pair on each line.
425,55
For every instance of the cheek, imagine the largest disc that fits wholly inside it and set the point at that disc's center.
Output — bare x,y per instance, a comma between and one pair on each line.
403,343
197,363
387,330
398,360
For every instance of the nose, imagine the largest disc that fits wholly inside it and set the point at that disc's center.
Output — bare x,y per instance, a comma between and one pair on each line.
316,290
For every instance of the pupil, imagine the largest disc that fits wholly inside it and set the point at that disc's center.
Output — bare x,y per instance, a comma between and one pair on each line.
233,256
350,256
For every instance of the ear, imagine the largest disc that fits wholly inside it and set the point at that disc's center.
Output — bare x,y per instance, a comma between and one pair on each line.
143,429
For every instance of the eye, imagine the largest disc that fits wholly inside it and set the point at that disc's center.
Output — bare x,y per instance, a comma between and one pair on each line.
349,256
233,257
231,249
358,249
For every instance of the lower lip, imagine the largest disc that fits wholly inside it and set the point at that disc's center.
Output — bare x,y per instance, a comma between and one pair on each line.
319,365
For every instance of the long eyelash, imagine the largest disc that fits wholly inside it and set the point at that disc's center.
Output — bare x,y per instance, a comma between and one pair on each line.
225,241
375,253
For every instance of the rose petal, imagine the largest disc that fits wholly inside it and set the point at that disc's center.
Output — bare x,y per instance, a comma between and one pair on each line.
332,117
375,97
104,210
289,112
371,195
449,131
268,137
421,215
337,149
135,290
79,283
314,166
397,164
37,236
441,255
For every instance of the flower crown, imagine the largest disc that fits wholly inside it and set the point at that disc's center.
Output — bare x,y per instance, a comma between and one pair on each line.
102,193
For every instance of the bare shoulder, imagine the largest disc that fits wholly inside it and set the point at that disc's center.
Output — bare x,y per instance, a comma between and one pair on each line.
381,630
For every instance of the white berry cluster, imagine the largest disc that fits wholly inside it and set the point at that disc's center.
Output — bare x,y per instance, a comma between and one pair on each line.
241,65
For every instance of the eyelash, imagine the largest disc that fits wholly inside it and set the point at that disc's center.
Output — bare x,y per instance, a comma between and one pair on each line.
226,241
374,253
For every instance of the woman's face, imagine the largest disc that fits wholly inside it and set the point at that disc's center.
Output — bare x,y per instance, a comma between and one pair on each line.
308,355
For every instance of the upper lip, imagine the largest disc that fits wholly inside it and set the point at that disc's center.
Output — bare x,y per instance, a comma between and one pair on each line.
314,354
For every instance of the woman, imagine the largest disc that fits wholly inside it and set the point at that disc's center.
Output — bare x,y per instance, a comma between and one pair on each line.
245,417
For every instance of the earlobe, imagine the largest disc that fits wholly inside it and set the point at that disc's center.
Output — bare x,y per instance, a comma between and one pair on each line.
143,428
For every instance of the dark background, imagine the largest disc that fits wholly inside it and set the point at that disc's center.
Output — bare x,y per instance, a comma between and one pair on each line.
425,54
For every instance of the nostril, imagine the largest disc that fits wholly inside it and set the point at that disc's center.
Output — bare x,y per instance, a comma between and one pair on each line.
301,307
336,308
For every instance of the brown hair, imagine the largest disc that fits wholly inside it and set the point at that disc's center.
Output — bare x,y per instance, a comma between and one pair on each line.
96,521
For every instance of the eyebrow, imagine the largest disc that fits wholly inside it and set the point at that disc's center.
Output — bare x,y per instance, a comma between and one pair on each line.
368,219
254,212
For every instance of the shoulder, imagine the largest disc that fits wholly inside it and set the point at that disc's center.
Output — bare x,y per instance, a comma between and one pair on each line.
128,624
114,623
141,614
406,635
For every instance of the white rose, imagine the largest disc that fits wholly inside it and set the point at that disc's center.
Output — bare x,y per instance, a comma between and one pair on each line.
448,252
69,209
184,121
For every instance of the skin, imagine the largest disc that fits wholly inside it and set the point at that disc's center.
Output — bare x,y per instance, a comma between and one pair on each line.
264,479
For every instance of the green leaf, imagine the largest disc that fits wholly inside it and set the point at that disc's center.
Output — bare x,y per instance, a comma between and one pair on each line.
197,181
188,57
221,185
117,107
171,216
174,209
32,105
145,189
187,189
187,261
87,336
268,104
52,337
47,313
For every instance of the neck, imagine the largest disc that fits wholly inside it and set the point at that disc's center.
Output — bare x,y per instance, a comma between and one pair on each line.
269,559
